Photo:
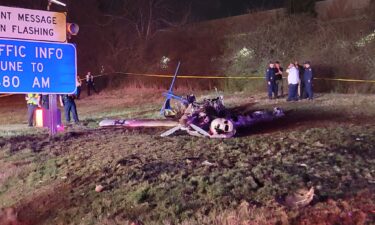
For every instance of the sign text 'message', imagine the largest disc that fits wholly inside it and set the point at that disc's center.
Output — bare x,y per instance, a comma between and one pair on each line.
31,24
30,18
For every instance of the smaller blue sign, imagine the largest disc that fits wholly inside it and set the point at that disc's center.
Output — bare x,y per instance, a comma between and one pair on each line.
37,67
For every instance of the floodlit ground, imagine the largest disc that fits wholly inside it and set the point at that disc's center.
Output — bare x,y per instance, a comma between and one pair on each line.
327,144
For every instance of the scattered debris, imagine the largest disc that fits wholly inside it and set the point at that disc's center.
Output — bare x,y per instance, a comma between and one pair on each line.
303,165
318,144
299,198
137,222
207,163
99,188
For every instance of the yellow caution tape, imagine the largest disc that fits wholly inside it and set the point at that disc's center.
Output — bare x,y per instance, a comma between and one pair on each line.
190,76
236,77
346,80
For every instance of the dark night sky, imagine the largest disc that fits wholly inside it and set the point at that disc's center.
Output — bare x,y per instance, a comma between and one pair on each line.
201,9
211,9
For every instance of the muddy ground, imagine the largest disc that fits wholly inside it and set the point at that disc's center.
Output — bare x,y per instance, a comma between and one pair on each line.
328,144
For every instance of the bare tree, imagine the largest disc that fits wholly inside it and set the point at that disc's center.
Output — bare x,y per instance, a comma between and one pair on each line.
148,17
31,4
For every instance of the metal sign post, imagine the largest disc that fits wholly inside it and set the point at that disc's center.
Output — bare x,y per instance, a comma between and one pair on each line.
53,114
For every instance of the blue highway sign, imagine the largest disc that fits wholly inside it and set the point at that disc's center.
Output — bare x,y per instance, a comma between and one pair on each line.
37,67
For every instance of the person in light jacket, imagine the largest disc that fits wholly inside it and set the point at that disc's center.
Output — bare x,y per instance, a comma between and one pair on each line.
293,80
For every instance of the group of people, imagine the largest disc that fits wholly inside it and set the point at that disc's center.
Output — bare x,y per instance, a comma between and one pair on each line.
299,81
35,101
67,101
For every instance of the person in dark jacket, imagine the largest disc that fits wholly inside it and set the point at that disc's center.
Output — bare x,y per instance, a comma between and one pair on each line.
67,101
301,90
308,78
90,83
279,79
45,101
270,78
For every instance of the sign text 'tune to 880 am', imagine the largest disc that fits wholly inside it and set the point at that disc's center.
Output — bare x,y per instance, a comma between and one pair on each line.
31,24
37,67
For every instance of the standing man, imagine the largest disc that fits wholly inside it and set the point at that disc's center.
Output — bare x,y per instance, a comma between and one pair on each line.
67,101
33,102
293,80
308,77
90,83
301,90
279,79
270,78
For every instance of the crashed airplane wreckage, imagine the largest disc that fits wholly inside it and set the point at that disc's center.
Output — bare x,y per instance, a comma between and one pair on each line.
209,118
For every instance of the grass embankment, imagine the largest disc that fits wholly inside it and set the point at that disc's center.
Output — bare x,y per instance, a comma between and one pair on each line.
327,144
